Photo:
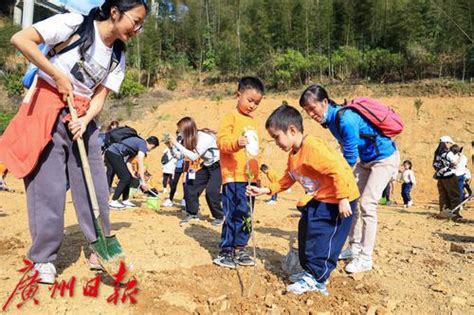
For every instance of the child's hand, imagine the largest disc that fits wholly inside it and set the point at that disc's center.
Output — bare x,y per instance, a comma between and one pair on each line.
254,191
242,142
345,208
145,187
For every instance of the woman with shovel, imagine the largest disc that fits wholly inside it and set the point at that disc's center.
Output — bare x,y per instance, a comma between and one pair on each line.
85,63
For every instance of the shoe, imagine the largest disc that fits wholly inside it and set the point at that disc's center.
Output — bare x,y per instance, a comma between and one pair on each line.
348,253
217,222
116,204
165,190
225,259
189,218
270,202
359,264
307,284
299,275
46,272
94,263
183,203
243,258
128,204
410,203
167,203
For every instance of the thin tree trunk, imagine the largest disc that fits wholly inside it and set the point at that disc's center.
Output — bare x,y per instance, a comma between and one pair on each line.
464,66
239,55
139,60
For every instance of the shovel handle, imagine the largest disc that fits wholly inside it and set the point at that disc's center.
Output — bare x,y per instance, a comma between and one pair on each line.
85,162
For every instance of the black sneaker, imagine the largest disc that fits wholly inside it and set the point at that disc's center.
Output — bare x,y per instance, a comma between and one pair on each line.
189,218
243,258
225,259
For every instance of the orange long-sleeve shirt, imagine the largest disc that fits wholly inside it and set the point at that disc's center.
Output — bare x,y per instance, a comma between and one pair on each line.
321,170
233,159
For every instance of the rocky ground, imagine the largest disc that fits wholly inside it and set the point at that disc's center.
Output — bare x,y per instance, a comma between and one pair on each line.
420,266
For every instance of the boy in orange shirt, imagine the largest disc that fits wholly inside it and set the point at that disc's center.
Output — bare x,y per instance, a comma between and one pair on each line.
326,219
238,144
272,177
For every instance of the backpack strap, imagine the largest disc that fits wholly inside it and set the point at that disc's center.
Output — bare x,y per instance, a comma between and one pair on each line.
76,39
371,137
116,55
69,44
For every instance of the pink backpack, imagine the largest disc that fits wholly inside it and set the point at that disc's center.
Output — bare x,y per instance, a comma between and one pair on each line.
379,115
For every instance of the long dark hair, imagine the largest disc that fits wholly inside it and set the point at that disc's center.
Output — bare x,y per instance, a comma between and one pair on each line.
189,130
102,13
315,92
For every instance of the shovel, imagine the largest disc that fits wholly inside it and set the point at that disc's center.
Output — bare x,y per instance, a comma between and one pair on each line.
448,214
107,248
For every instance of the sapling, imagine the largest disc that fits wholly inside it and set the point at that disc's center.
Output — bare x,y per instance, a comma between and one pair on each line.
251,151
418,103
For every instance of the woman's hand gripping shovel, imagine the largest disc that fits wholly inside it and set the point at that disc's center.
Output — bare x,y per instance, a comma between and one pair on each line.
107,248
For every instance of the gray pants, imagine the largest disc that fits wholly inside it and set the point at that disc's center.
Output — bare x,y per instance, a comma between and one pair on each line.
372,178
59,166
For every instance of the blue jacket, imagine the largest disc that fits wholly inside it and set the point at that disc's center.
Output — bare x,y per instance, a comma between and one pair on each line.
351,127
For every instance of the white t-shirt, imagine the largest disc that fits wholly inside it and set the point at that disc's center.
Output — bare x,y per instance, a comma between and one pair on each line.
85,76
169,167
408,176
461,165
206,148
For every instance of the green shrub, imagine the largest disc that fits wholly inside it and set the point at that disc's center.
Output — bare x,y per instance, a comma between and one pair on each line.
130,86
4,120
346,61
12,83
7,30
171,85
288,68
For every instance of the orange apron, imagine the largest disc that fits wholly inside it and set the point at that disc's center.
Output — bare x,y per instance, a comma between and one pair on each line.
30,130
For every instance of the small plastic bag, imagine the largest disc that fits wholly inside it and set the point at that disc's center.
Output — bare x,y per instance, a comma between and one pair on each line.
252,147
291,262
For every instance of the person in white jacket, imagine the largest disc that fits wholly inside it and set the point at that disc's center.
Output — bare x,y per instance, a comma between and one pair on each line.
168,162
408,181
460,169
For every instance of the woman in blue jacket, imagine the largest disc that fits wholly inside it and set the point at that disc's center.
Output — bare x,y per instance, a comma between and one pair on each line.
374,158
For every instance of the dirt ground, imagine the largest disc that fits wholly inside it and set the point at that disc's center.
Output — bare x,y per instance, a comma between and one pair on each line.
415,270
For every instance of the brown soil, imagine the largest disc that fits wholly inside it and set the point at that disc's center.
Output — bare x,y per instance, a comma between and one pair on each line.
415,271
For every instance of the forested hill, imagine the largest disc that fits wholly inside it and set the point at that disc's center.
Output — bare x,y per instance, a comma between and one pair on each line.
288,42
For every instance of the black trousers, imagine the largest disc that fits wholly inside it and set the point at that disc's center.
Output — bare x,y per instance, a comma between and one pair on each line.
167,178
208,178
116,165
174,182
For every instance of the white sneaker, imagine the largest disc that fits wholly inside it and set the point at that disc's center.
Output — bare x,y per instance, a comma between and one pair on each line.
270,202
307,283
410,203
359,264
165,191
128,204
348,253
299,275
116,204
46,272
167,203
183,203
